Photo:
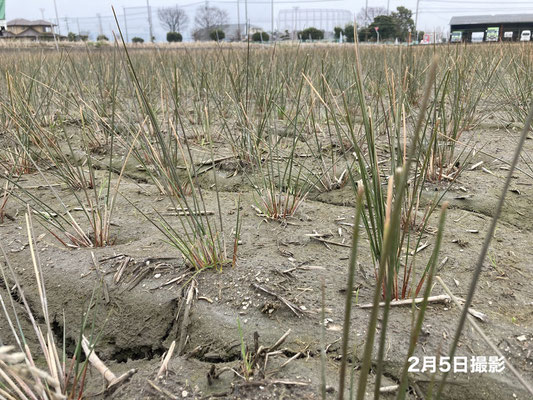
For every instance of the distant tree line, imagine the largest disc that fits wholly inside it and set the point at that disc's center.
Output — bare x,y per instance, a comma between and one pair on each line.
207,19
311,33
398,25
210,23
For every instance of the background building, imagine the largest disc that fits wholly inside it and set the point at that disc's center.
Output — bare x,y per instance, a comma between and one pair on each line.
31,30
510,26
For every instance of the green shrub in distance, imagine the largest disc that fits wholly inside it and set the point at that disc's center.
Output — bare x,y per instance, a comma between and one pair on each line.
174,37
260,37
217,34
311,34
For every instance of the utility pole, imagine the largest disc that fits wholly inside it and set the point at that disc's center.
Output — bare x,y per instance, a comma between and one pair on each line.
57,18
66,23
101,31
416,21
366,13
42,13
238,20
52,27
78,22
125,24
150,20
296,22
246,16
388,7
272,18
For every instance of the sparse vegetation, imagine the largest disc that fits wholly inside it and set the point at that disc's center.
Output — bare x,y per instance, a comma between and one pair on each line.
44,372
267,183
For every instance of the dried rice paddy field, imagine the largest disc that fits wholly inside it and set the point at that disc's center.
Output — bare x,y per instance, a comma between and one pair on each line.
224,222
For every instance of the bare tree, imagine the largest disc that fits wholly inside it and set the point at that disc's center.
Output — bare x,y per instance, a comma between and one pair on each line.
366,16
174,19
209,17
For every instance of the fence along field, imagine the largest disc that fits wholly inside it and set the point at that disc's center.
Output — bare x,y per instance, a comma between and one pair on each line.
248,221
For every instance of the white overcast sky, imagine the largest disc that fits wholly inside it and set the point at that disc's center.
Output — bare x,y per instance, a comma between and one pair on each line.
433,13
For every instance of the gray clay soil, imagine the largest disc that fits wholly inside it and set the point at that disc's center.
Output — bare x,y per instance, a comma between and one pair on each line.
142,318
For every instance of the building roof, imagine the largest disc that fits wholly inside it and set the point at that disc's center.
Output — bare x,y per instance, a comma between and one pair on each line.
25,22
30,32
491,19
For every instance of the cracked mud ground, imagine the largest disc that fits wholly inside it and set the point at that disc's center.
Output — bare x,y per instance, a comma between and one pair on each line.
141,317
